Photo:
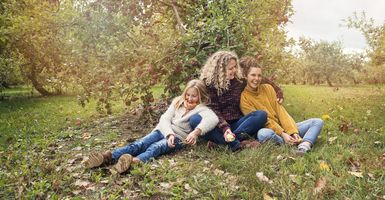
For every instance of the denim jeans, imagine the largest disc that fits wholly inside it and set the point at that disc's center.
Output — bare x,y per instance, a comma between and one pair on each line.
150,146
308,130
249,124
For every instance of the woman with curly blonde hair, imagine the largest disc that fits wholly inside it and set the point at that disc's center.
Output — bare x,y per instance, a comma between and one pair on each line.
223,79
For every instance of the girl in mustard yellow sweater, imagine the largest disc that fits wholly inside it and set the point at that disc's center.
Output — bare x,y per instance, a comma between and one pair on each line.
280,126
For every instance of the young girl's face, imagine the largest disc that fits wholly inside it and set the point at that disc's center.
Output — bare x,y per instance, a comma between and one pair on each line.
254,77
231,69
191,98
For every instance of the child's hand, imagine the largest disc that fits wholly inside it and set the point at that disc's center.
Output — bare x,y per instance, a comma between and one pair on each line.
192,137
170,141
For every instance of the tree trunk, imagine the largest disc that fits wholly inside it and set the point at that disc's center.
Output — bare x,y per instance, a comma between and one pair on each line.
329,82
36,84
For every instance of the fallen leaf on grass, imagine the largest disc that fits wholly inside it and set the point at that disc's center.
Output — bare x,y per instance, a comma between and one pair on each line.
261,177
165,185
353,164
86,135
76,192
324,166
319,185
218,172
82,183
267,197
357,131
332,139
344,127
356,174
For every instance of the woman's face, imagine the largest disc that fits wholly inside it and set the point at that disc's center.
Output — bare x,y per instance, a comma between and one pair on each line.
254,77
191,98
231,69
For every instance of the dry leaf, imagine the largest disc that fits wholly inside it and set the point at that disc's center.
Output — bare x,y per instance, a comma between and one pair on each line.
319,185
187,187
267,197
218,172
344,127
324,166
261,177
82,183
165,185
86,135
356,174
357,131
331,140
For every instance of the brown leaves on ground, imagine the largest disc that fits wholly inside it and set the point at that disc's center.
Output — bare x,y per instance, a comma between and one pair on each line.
320,184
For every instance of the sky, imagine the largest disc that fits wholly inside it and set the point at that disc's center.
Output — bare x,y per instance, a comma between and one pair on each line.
322,19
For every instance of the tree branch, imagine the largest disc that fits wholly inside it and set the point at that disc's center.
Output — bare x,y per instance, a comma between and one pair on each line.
178,19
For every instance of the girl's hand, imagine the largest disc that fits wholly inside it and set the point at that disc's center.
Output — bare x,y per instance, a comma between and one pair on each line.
192,137
229,136
288,139
170,141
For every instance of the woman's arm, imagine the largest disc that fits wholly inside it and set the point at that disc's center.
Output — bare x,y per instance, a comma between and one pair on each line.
214,105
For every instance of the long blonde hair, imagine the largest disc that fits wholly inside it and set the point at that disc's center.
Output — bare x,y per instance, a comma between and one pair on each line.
214,71
202,93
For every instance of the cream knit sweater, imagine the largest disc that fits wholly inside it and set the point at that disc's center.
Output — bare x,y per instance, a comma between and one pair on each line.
176,121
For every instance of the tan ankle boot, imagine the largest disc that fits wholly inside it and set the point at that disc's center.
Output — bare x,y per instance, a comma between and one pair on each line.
122,165
97,159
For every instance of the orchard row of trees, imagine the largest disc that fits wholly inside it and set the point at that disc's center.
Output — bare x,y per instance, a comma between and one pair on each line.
320,62
119,49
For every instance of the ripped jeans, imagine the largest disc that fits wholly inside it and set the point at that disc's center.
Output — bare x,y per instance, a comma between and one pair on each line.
150,146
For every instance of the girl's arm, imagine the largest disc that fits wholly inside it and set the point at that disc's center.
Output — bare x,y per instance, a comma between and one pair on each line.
165,119
208,122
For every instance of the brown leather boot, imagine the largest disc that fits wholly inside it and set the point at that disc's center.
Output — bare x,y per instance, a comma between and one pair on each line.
97,159
123,164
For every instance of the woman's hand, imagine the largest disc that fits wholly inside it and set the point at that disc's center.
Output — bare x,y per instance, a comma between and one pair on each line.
297,138
170,140
192,137
229,135
288,139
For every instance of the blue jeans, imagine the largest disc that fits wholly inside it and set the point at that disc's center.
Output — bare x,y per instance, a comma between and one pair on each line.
150,146
249,124
308,130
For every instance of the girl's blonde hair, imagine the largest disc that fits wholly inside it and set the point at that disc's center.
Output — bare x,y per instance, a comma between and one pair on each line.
202,93
246,63
214,71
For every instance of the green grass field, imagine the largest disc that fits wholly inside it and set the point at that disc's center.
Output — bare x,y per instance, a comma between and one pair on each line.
44,142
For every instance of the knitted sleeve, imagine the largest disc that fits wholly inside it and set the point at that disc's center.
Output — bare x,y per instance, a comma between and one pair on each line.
165,120
214,105
287,123
208,122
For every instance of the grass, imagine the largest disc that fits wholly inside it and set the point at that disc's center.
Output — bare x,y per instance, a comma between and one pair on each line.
44,144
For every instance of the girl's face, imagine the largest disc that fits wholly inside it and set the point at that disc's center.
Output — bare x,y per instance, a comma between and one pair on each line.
254,77
231,69
191,98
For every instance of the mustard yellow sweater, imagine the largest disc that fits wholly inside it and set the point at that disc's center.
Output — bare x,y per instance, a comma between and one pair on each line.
264,98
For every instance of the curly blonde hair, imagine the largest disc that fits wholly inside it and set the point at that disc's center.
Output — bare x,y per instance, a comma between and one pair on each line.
214,71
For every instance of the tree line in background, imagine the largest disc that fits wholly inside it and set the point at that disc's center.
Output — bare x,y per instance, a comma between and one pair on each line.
120,49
